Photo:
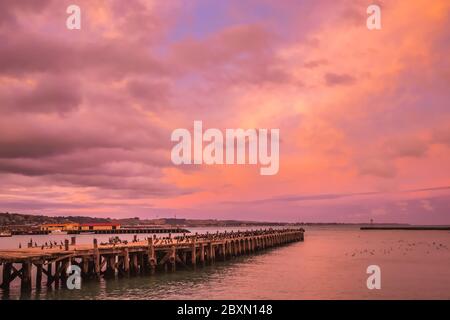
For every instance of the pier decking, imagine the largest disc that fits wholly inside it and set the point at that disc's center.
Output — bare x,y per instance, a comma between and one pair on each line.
139,257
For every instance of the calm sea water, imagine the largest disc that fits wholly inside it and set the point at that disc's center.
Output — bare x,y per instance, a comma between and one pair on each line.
330,264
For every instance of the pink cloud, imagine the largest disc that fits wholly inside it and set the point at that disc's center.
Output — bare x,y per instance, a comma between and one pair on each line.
87,115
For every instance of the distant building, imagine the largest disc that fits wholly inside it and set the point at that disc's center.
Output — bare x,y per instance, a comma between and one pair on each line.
59,226
79,227
98,226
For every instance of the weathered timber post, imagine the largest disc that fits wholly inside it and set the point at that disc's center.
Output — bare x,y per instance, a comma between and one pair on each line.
110,266
39,275
57,273
49,275
96,259
73,241
65,264
151,256
119,265
210,252
66,245
202,253
141,263
85,267
7,267
218,251
173,259
134,263
207,252
126,261
25,285
224,251
193,253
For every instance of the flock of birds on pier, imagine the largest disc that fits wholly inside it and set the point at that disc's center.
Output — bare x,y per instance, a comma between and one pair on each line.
164,240
46,245
189,238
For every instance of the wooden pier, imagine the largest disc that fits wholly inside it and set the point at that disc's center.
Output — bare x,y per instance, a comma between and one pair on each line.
40,266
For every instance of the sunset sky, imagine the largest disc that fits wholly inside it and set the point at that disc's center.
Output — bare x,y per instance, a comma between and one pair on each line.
364,116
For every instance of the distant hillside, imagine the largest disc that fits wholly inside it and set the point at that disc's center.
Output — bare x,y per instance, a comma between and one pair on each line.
10,219
16,219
